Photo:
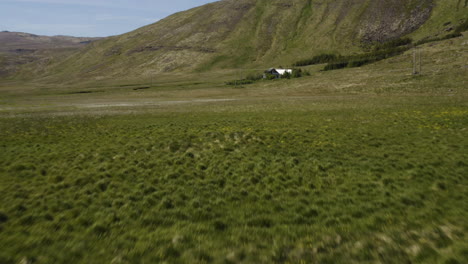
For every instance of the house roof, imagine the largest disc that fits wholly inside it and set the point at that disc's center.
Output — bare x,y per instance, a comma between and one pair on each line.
279,71
283,71
272,71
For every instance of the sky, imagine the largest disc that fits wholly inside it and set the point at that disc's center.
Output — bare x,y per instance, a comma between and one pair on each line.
86,18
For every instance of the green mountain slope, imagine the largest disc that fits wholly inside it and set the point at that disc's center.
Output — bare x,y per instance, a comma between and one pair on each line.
255,33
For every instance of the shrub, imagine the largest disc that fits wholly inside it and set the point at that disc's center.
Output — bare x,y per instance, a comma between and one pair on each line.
296,73
462,27
453,35
448,36
365,58
392,44
335,66
269,76
358,63
322,58
378,52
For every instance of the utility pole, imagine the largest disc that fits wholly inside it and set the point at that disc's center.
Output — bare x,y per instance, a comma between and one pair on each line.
420,61
235,85
240,75
417,61
239,71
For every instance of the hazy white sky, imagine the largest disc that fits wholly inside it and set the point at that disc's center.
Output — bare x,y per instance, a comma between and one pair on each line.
87,18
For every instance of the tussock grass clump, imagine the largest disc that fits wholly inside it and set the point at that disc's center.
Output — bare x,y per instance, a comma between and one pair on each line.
3,217
100,229
220,225
171,253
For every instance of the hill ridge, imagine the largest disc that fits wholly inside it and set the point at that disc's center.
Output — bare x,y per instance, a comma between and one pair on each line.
256,33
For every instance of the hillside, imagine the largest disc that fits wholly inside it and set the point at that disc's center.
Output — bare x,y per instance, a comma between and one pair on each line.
18,48
255,34
14,41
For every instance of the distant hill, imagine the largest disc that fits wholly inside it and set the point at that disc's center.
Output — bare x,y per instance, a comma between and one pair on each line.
256,33
16,41
18,48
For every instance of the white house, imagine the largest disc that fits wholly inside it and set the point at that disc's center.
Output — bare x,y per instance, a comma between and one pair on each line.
277,72
283,71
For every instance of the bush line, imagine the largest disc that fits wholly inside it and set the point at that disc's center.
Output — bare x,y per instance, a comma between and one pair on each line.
378,51
251,78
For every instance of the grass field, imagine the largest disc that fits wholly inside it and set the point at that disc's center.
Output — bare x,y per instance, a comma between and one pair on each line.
362,165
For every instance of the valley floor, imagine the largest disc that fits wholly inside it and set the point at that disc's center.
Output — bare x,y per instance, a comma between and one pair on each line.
364,165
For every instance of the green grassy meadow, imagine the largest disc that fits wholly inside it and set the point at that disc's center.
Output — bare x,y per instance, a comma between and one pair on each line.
361,165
